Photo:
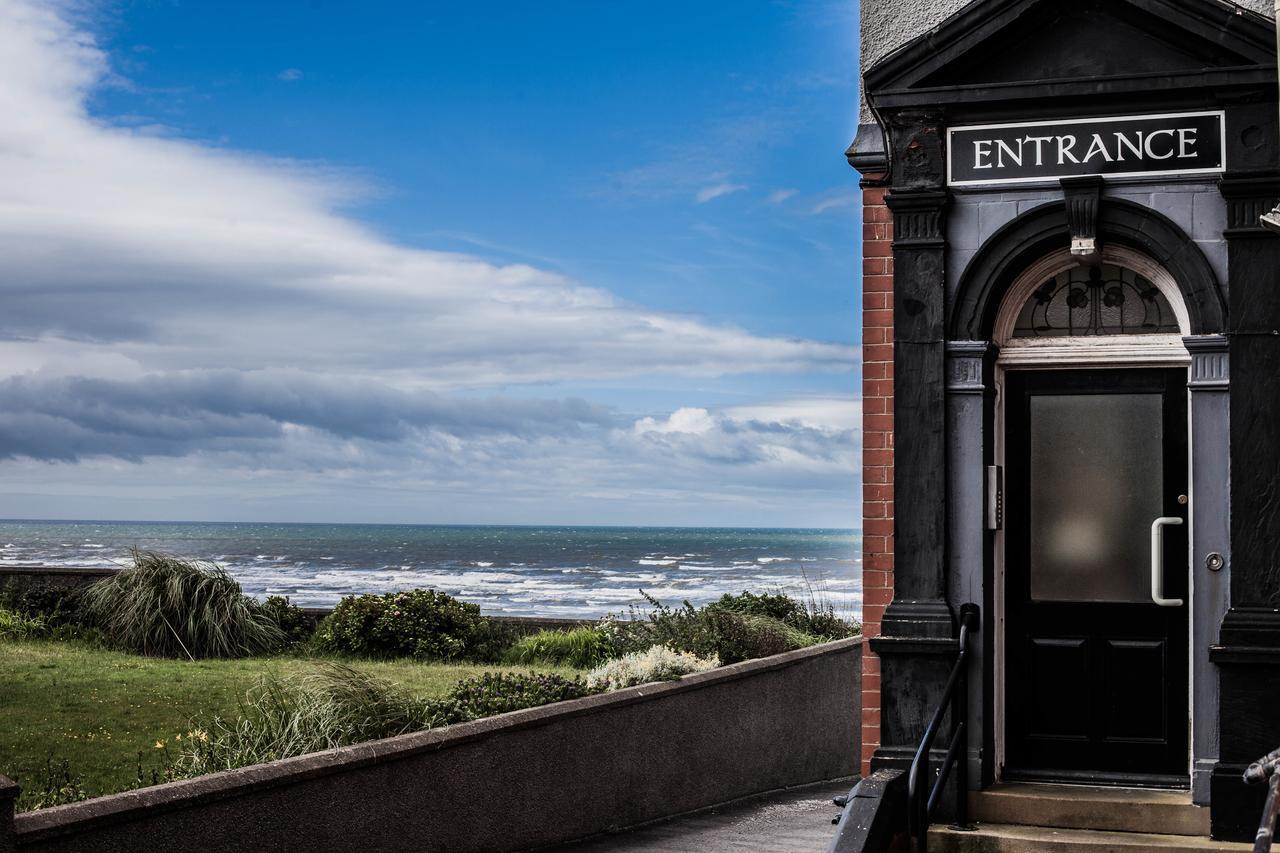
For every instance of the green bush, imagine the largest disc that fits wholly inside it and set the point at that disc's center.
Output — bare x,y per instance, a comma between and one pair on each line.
741,628
168,607
58,606
498,693
809,617
421,623
296,626
581,648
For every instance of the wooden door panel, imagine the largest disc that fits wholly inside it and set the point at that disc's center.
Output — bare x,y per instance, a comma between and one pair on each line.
1096,673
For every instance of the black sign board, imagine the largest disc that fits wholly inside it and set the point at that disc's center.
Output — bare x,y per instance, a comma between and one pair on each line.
1120,146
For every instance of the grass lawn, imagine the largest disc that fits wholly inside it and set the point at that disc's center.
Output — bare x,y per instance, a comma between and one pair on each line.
98,709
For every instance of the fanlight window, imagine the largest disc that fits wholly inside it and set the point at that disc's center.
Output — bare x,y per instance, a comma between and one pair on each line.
1099,300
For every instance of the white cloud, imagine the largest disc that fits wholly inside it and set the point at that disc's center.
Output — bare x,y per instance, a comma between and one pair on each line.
289,75
779,196
201,325
178,255
715,191
688,420
836,202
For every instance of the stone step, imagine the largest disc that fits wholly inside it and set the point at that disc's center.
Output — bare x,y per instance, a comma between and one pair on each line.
1005,838
1087,807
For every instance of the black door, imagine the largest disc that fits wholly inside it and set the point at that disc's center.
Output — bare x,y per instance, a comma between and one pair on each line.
1096,676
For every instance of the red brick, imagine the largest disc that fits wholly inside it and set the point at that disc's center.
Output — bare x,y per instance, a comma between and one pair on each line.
877,249
877,458
876,596
884,422
877,283
877,299
877,266
877,213
879,527
877,352
877,492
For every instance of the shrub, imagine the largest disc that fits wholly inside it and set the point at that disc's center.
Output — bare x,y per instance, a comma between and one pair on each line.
296,626
169,607
711,631
581,648
333,706
498,693
421,623
58,606
658,663
811,617
17,626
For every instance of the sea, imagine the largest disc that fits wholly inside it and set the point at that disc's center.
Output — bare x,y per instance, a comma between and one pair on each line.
578,572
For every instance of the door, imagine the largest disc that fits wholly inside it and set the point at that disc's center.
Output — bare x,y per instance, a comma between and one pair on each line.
1096,670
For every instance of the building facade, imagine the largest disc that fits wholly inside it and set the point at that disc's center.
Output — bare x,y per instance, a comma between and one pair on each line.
1071,387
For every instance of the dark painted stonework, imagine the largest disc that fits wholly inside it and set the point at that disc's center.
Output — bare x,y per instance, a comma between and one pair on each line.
1023,60
1248,650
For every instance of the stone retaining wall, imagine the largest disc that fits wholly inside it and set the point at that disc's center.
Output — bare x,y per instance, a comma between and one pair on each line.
518,781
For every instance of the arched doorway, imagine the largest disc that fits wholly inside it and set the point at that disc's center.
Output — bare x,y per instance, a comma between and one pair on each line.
1092,435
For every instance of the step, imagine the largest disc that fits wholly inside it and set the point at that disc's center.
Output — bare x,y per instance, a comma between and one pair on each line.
1088,807
1006,838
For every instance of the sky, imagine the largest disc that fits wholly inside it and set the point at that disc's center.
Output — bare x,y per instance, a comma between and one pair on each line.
442,262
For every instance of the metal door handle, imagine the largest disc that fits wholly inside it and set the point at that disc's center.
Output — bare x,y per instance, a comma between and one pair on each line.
1157,562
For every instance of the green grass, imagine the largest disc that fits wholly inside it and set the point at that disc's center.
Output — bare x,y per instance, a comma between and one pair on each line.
98,709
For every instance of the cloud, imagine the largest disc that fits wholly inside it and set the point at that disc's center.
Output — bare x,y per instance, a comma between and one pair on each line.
836,202
185,324
289,75
779,196
178,255
715,191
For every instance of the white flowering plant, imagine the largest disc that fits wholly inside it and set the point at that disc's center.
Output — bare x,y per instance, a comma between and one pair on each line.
657,663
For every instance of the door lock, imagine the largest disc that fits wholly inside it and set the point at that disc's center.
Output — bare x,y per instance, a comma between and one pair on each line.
1214,562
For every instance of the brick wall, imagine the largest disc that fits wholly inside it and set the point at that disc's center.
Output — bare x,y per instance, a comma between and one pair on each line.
877,446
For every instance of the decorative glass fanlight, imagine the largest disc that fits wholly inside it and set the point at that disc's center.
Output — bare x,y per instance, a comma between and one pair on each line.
1098,300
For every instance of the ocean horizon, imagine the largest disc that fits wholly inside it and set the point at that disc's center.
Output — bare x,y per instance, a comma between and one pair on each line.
579,571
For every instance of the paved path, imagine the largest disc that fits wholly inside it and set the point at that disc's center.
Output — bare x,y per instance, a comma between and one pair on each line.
797,821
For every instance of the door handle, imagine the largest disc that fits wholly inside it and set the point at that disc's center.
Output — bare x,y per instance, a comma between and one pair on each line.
1157,562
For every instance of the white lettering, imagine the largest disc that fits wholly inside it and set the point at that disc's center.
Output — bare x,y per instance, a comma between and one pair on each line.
1096,147
1039,142
1186,138
1003,148
1065,144
1151,153
981,148
1123,142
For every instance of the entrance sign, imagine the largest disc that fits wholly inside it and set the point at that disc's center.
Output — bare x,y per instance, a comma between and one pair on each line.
1119,146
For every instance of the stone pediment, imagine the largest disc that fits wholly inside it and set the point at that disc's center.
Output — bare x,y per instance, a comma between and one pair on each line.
1056,46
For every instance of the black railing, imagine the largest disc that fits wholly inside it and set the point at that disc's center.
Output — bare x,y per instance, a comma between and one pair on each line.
1266,769
921,803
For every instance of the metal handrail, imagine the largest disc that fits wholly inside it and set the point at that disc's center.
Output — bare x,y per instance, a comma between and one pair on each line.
955,695
1266,768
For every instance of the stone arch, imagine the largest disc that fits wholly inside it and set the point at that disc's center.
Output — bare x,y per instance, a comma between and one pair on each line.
1042,230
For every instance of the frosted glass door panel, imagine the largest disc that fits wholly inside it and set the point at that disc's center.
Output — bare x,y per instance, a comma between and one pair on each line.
1096,486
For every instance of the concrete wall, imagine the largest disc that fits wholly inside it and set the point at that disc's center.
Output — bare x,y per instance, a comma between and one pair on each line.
516,781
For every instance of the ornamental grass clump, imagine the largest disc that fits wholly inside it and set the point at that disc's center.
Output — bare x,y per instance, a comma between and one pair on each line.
334,705
164,606
580,648
658,663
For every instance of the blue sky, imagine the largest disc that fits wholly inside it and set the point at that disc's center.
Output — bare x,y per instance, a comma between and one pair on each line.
558,262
